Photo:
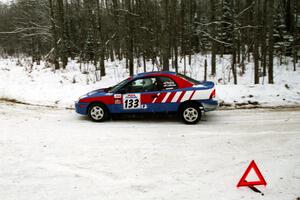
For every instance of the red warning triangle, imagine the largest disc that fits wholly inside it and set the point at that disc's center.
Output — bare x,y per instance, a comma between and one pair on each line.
243,181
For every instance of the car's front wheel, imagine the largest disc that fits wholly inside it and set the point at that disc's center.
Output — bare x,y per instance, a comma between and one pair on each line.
98,112
191,114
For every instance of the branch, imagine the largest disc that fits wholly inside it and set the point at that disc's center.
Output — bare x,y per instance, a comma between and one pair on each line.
21,30
214,39
50,52
35,34
247,26
127,11
246,9
112,37
214,22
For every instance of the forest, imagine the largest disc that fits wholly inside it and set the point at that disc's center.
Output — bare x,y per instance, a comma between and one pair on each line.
160,31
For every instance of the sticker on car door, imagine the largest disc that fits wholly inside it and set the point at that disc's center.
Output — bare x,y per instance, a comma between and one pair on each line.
132,101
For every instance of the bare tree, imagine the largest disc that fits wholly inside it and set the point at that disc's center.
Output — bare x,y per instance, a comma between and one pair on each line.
213,34
271,42
62,33
54,36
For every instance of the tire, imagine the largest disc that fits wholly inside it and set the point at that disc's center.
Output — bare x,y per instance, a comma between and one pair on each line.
98,112
190,113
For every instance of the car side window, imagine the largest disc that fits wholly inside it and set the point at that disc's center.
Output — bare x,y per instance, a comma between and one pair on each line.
166,83
140,85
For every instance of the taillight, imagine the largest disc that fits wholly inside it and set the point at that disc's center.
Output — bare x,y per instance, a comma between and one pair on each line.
213,94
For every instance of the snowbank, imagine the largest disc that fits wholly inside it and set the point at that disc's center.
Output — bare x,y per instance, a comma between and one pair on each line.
39,84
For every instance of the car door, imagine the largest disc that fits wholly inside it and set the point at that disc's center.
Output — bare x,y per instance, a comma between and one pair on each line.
136,96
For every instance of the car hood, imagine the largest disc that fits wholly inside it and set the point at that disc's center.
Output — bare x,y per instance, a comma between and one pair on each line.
95,93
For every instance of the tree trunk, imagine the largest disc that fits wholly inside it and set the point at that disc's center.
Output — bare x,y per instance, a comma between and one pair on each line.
184,67
144,63
176,57
205,70
165,34
271,41
111,54
264,39
63,52
256,45
54,36
102,62
256,62
174,32
243,51
130,32
213,33
295,35
233,67
130,55
101,45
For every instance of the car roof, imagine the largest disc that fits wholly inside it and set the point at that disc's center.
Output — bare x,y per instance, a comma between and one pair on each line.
154,73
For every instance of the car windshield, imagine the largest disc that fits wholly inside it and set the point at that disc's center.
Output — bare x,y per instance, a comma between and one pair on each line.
115,88
195,82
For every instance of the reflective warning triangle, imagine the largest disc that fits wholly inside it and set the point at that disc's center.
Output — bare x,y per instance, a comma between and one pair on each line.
244,182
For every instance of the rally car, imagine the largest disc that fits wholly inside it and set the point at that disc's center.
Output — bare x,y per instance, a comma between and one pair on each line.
152,92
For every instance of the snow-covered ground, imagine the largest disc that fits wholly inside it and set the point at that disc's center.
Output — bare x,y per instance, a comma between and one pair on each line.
55,154
39,84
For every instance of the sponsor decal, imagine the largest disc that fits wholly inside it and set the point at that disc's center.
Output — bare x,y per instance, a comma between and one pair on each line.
118,101
132,101
117,96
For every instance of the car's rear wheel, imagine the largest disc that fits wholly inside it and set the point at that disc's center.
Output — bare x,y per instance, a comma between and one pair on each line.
98,112
190,113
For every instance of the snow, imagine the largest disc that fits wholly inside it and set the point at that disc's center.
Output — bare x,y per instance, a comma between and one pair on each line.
55,154
38,84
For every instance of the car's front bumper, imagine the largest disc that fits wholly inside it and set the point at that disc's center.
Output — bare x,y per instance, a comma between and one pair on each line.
81,108
210,105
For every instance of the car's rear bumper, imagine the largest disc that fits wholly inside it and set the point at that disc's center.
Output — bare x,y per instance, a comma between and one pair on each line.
210,105
81,108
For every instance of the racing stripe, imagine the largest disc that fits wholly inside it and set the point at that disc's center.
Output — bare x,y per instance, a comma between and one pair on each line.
186,96
170,97
195,96
166,97
192,95
181,95
155,98
177,95
160,97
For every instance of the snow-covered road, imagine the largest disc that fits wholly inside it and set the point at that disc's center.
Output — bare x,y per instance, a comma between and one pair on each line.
55,154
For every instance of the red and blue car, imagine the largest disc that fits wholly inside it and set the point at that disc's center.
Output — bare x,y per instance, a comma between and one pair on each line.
152,92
